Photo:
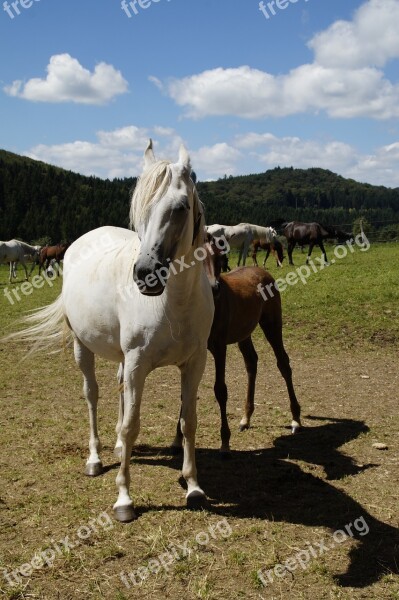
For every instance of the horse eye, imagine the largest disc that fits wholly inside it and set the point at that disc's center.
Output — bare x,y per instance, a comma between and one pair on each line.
184,206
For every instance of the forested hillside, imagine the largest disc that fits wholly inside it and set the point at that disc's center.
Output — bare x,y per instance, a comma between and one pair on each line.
41,201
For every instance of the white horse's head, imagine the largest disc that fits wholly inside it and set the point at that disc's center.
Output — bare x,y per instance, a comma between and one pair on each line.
168,217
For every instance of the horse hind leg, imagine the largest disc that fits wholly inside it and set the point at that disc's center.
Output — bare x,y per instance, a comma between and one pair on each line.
272,328
85,360
251,364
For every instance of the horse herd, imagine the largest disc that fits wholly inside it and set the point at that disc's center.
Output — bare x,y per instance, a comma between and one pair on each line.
169,315
16,251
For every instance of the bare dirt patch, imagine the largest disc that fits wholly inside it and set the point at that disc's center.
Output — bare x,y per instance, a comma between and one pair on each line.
278,493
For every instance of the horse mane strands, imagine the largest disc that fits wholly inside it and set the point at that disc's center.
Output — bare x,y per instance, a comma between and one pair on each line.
150,187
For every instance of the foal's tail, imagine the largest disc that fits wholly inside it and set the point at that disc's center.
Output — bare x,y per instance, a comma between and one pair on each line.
48,329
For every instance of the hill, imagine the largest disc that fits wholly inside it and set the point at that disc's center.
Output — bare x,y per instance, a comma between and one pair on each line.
40,201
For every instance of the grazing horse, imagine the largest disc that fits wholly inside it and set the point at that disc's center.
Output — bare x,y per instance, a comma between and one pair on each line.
241,236
49,253
145,303
275,247
239,308
307,233
14,251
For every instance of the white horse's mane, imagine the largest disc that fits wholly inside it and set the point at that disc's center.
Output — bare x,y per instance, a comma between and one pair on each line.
150,187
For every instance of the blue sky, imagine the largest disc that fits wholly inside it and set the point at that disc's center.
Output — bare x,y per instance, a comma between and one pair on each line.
83,85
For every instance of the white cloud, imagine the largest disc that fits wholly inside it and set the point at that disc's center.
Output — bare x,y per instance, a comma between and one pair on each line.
379,168
371,38
117,153
217,160
343,80
68,81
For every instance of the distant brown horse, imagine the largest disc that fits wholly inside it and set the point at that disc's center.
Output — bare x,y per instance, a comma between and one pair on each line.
312,234
275,247
239,307
49,253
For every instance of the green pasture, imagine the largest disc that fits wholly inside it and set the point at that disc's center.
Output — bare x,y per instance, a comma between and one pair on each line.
352,302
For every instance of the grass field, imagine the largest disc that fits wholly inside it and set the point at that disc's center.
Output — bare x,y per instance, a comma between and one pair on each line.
323,503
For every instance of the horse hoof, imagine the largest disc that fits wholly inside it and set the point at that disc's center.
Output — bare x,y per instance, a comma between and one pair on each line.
295,427
196,500
243,426
94,469
125,514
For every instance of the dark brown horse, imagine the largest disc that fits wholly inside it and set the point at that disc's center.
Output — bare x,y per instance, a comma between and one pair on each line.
49,253
239,307
275,247
307,233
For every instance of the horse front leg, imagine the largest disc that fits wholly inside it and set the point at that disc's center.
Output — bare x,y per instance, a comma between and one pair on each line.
26,271
311,246
220,388
191,373
118,445
251,364
134,378
85,360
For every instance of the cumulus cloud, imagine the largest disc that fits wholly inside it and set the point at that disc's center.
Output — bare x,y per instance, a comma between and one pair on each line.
68,81
344,80
217,160
269,151
117,153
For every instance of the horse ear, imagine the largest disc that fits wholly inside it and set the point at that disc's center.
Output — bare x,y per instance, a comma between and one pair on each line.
149,157
184,159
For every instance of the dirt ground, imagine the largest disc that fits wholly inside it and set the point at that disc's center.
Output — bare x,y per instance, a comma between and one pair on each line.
278,494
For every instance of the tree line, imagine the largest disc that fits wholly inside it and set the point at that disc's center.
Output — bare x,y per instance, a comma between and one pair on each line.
40,202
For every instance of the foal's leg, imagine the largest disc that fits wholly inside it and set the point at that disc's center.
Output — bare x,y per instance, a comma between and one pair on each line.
251,364
118,445
272,328
85,361
220,389
134,378
191,373
266,257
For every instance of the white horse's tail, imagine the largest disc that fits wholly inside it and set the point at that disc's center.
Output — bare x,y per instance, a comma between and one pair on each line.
48,331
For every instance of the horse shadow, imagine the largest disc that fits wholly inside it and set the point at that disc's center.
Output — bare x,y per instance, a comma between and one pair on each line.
264,484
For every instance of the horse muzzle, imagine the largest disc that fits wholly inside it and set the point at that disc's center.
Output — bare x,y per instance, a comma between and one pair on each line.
151,281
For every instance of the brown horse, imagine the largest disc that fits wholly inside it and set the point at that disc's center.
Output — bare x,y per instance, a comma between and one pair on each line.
275,247
239,308
312,234
49,253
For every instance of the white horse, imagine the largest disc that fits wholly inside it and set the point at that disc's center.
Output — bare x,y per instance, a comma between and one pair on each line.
241,236
238,236
34,259
15,251
144,302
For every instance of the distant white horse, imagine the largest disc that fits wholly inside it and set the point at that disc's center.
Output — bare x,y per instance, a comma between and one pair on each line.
35,261
241,236
144,302
15,251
